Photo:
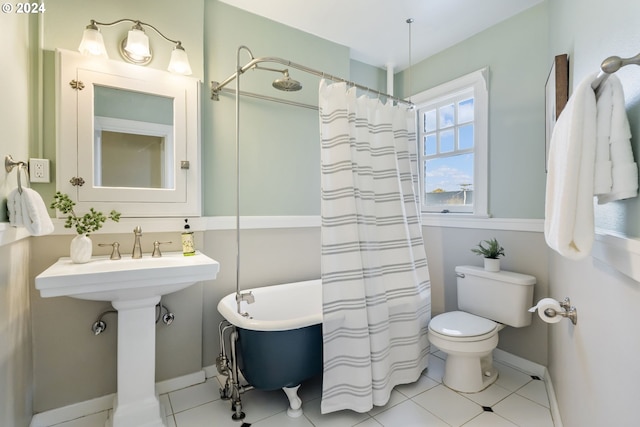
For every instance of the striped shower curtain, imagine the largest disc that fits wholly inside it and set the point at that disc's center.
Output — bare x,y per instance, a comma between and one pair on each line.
375,279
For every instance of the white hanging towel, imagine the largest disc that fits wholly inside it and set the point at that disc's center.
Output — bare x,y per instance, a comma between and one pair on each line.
14,208
616,172
569,217
590,154
34,213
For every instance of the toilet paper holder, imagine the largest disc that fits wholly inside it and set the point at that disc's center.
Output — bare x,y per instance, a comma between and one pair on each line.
569,311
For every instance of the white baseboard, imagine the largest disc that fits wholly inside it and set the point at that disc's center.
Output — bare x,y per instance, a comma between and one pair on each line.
178,383
553,402
519,363
210,371
71,412
535,369
104,403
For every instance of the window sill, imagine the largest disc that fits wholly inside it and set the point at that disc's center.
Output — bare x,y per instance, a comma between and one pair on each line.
483,222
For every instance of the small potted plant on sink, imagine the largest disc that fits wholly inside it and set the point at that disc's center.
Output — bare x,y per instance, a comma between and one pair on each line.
81,246
491,253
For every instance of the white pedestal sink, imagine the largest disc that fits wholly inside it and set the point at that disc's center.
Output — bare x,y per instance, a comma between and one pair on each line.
134,287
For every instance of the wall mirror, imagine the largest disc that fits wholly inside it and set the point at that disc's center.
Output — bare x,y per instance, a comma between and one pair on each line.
128,137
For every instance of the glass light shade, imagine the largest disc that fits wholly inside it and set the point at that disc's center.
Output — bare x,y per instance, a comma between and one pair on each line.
179,63
137,43
92,43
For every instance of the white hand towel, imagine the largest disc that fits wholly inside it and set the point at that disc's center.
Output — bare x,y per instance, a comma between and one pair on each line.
14,208
603,168
34,213
569,222
615,126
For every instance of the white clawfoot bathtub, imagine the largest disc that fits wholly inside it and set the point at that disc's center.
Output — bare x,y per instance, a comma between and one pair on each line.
279,336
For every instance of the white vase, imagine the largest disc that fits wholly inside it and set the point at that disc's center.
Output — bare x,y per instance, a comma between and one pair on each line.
492,264
81,249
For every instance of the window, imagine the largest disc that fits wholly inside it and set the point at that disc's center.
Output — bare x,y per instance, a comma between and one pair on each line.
452,134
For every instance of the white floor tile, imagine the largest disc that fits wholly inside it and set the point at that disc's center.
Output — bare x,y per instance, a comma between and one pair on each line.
217,413
283,420
524,412
333,419
94,420
258,404
409,414
448,405
371,422
395,399
196,395
423,384
489,396
171,422
510,378
489,419
435,371
536,391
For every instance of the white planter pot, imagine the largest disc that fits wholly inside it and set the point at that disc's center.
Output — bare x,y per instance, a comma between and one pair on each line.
491,264
81,249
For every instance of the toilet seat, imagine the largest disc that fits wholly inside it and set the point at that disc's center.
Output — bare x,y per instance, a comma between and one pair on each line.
462,326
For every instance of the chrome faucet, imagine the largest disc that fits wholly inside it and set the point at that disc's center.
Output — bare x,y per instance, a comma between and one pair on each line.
247,297
137,248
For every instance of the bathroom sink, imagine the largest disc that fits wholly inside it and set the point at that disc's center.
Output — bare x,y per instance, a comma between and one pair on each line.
134,287
102,279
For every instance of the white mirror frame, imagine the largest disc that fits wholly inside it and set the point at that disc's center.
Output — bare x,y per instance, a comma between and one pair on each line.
75,154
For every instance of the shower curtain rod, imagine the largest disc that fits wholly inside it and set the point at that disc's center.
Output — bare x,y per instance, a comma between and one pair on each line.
217,87
265,97
610,66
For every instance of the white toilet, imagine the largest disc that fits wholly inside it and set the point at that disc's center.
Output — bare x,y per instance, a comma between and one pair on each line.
487,302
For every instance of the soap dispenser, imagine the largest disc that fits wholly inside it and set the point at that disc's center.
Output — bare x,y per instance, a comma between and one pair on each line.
188,245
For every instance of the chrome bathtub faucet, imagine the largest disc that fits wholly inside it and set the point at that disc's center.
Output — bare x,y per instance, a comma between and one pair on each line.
248,298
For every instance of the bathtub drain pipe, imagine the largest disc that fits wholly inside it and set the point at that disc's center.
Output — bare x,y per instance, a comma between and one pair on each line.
227,365
235,390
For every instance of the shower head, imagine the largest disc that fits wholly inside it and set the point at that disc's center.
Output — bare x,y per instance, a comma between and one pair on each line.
286,83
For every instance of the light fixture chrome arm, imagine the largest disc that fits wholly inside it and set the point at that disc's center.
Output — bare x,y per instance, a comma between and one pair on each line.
93,25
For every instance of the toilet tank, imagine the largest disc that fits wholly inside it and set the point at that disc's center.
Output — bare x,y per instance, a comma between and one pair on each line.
502,296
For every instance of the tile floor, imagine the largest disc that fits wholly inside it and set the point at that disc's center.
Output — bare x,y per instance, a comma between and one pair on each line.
516,400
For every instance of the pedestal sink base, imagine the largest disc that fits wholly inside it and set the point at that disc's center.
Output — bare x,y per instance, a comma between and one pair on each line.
143,414
136,403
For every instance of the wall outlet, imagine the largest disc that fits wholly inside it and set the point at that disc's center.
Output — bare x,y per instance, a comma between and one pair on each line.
39,170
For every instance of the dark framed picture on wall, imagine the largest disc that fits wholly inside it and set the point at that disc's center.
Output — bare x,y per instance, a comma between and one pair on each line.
556,96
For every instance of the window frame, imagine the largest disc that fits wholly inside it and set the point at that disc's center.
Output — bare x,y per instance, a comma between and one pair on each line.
477,83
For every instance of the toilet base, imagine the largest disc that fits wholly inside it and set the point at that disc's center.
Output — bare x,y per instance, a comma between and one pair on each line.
469,373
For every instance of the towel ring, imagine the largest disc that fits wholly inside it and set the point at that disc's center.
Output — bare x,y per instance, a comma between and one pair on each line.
10,164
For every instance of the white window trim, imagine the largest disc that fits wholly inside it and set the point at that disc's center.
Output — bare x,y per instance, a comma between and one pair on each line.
479,80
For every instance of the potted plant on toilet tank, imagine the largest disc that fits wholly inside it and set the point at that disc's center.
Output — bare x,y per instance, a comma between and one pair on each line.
81,247
491,253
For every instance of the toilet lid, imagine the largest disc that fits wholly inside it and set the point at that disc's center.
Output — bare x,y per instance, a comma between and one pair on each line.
461,324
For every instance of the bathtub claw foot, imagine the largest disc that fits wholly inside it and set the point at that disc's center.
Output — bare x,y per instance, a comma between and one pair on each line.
295,403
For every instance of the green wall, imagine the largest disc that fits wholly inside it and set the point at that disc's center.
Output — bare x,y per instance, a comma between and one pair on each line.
515,51
280,173
280,145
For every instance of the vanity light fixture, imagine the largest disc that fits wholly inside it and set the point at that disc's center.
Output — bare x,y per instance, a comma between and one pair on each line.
135,47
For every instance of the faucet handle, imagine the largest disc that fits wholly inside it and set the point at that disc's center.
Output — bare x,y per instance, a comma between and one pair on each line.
115,253
156,249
